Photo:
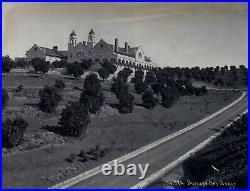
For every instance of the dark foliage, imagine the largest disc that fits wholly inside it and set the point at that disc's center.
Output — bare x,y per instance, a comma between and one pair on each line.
49,99
13,131
74,120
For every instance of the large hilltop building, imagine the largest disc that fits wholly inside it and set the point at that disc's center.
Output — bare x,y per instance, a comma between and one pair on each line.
98,52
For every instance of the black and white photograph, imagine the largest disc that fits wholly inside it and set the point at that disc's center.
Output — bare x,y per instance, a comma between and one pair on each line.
124,95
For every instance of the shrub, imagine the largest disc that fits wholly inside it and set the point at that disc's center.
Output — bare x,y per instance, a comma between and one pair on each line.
5,98
75,69
103,73
7,64
59,84
74,120
13,131
149,99
19,88
71,157
92,97
126,102
49,99
40,65
110,67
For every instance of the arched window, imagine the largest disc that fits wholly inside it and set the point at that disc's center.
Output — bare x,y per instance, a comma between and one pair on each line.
140,55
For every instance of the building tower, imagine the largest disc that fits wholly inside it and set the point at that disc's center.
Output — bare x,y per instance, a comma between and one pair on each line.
91,39
71,44
72,38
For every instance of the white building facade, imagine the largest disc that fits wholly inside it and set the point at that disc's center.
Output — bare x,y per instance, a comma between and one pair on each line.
98,52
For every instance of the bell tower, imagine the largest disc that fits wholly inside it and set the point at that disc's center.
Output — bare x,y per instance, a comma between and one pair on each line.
91,39
72,38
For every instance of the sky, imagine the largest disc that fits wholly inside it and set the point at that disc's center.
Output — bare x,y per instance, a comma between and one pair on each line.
172,34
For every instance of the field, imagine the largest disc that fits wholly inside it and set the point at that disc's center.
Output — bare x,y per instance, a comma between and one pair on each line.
40,160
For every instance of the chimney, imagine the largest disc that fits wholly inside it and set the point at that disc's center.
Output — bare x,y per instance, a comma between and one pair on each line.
126,47
116,45
55,48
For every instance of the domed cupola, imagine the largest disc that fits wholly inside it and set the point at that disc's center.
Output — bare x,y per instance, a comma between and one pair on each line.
91,38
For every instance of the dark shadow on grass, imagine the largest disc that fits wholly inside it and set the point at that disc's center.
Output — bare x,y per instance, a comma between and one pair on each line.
52,128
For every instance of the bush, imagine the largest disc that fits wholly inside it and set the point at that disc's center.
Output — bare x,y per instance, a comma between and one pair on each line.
71,157
149,99
75,69
59,84
49,99
74,120
19,88
13,131
139,76
7,64
5,98
92,97
110,67
40,65
103,73
126,102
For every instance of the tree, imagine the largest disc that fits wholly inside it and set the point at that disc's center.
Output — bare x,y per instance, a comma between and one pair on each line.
140,87
7,64
149,99
118,86
124,74
74,120
75,69
13,131
21,62
86,64
169,96
59,64
49,99
103,73
126,102
40,65
59,84
150,78
139,76
5,98
110,67
92,97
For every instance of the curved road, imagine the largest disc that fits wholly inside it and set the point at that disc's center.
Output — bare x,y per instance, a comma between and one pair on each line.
167,152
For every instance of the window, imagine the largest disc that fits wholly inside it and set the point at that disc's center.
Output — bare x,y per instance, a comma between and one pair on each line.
140,55
35,48
101,45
